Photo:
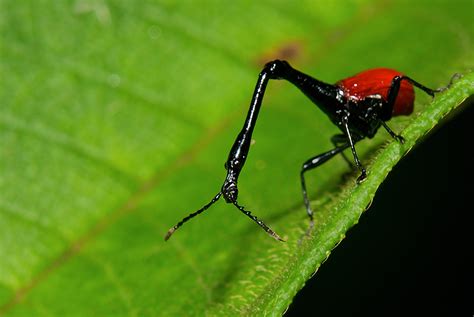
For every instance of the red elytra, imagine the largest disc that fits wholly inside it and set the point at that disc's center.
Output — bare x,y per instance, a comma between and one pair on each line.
377,81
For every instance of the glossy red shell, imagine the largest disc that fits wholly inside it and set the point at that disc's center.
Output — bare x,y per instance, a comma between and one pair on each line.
377,81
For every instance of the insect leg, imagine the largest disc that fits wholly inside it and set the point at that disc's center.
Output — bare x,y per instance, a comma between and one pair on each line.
313,163
397,137
192,215
352,142
393,93
340,139
272,233
396,82
395,88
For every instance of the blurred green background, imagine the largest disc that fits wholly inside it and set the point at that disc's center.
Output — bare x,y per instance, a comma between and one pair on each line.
116,118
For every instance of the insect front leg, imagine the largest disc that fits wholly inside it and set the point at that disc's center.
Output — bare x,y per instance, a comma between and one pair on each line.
311,164
338,140
352,142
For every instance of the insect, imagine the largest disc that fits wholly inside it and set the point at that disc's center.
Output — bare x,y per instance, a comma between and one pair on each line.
357,105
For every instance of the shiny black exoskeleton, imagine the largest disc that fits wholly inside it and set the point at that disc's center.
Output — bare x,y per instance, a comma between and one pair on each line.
357,105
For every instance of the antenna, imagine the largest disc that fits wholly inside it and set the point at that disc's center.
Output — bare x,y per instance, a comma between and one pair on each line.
192,215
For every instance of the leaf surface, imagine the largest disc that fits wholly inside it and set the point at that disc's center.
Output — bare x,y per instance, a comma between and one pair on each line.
115,121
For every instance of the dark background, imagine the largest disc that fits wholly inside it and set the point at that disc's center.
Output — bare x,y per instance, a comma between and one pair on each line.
410,252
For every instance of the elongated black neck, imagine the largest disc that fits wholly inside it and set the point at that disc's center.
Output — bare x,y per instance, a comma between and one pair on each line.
322,94
239,151
325,96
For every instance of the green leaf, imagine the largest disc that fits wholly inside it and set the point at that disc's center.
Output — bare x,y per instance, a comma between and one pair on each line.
115,121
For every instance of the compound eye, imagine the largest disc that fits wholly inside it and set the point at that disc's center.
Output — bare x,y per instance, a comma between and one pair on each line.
230,192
